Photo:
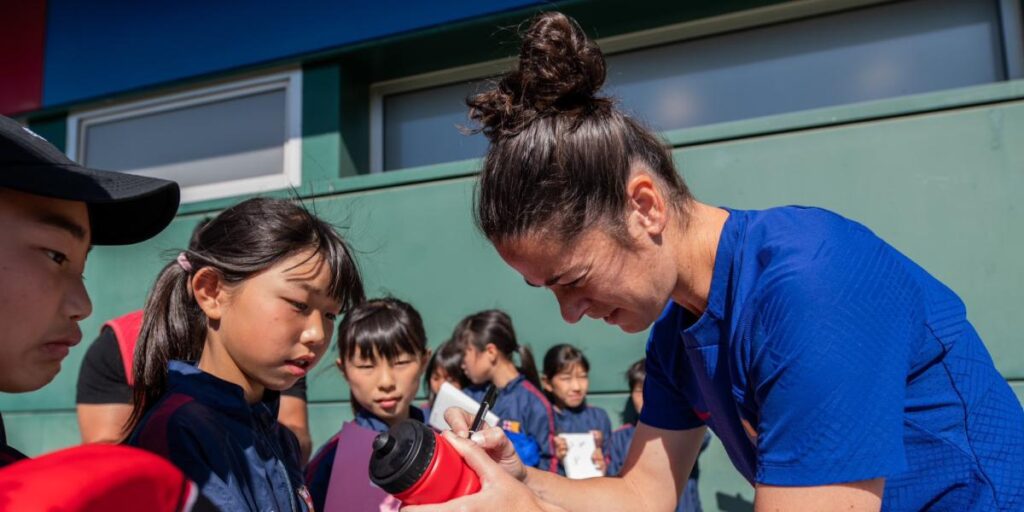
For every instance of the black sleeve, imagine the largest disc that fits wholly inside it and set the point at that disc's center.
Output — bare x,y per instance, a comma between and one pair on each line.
102,379
297,391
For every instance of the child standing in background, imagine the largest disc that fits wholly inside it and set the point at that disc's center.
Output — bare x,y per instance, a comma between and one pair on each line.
621,438
489,344
239,316
382,351
445,366
566,382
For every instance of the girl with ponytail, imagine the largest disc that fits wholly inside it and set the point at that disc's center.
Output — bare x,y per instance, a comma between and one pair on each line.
242,314
489,348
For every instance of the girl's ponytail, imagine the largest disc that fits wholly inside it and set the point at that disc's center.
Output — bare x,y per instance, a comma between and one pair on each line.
173,327
495,327
527,366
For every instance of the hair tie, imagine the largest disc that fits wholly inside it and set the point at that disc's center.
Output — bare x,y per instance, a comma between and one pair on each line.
184,263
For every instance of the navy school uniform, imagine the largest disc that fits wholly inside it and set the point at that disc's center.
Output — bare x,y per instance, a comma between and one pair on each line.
581,420
318,472
8,455
617,447
523,409
238,454
826,356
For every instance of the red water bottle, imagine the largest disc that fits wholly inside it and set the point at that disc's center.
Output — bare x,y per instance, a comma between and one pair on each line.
416,465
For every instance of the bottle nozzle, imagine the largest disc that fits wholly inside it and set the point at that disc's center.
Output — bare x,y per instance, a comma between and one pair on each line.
383,443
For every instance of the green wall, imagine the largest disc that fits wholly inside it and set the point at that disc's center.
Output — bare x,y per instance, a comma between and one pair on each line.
939,176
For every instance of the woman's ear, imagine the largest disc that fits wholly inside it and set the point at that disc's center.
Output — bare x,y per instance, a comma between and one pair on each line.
210,293
648,210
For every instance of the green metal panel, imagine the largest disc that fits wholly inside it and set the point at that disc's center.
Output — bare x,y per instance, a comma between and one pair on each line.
35,433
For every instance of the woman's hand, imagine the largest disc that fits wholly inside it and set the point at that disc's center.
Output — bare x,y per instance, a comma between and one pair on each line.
491,439
499,489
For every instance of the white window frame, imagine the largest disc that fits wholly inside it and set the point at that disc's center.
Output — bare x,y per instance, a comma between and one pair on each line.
1010,10
289,81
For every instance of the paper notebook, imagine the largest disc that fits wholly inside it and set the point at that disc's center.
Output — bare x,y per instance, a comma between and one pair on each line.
578,459
450,396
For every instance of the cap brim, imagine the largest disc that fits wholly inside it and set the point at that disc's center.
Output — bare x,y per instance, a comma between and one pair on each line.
123,208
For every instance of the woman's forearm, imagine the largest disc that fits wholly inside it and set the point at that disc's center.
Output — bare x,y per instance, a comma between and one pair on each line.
589,495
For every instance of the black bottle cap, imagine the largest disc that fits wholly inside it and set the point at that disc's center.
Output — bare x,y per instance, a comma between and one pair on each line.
401,456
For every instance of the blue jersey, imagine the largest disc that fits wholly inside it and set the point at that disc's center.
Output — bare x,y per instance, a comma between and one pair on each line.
318,471
826,356
583,419
238,454
524,410
8,455
617,448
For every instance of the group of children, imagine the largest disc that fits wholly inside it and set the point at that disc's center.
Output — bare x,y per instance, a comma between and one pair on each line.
250,308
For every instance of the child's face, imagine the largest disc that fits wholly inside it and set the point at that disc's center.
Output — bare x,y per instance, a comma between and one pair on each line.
637,396
42,295
272,328
569,386
440,377
478,364
384,388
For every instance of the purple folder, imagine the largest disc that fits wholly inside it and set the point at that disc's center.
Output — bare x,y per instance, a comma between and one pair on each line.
350,489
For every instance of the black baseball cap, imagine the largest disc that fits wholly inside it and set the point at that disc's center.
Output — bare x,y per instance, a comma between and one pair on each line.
123,208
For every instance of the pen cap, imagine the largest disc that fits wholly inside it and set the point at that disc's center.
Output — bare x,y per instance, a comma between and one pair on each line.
401,456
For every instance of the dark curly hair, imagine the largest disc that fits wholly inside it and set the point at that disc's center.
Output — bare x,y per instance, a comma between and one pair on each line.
560,154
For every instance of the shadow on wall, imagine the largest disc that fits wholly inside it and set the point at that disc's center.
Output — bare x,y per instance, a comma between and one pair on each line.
735,503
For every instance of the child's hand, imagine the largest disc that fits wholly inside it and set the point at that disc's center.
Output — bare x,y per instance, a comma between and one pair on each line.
598,460
561,447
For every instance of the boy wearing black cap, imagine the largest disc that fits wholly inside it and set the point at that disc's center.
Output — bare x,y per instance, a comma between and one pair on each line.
53,211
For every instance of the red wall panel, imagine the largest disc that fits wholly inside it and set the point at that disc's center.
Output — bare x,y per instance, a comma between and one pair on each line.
23,24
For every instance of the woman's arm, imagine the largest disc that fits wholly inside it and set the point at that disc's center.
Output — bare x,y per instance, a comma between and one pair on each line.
654,455
653,477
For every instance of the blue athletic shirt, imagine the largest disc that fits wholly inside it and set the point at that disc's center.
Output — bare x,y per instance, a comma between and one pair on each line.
238,454
826,356
524,410
320,467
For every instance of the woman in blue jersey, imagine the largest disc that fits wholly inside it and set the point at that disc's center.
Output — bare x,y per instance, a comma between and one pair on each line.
489,346
382,351
244,313
837,373
566,381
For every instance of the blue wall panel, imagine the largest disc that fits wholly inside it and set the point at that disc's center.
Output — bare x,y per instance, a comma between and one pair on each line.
104,47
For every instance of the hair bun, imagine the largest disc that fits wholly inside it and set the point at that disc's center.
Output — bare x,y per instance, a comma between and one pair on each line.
560,71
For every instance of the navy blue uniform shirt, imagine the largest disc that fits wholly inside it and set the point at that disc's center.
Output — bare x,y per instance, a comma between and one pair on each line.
581,420
826,356
318,472
523,409
238,454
